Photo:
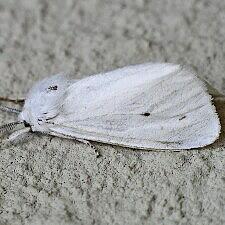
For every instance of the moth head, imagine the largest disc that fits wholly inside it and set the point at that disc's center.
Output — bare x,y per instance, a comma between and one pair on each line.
44,101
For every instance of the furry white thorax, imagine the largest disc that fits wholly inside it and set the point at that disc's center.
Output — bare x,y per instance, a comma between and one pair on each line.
44,101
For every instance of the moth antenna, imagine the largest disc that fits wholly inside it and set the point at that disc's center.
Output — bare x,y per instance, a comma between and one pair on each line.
15,101
9,127
10,110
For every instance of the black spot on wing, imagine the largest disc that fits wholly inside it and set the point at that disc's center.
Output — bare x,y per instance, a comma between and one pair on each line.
145,114
183,117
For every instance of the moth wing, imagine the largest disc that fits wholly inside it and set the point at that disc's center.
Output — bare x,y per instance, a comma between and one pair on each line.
162,106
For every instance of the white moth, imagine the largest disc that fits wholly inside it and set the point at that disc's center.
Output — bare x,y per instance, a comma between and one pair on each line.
147,106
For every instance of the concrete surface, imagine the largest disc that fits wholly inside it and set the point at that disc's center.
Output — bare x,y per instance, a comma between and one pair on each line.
45,180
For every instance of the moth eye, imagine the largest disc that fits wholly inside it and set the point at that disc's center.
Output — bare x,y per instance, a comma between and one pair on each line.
26,124
53,88
145,114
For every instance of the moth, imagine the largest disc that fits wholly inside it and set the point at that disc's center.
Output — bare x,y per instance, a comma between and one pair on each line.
146,106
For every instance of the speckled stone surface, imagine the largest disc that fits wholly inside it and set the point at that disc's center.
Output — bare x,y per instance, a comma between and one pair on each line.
51,181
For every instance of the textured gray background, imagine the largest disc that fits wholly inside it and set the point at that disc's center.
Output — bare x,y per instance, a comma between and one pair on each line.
45,180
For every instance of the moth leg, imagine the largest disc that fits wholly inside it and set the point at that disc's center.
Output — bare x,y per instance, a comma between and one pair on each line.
15,101
12,137
98,154
10,110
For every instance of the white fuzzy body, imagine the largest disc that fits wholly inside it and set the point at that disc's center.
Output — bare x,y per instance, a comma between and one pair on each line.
160,106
